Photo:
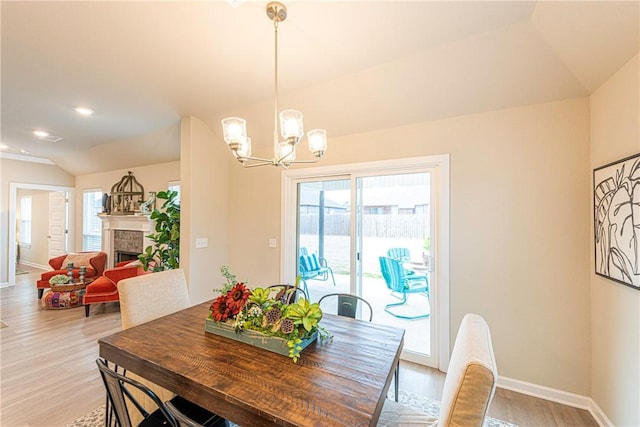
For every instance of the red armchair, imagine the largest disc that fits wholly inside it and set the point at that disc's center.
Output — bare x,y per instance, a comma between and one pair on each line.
93,261
105,288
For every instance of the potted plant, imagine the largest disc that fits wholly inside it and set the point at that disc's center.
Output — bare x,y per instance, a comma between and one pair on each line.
254,317
164,254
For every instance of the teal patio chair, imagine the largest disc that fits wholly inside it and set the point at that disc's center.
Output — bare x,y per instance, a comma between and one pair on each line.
398,281
312,267
401,254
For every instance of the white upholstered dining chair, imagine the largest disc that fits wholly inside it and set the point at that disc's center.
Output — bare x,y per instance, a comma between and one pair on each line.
145,298
468,387
150,296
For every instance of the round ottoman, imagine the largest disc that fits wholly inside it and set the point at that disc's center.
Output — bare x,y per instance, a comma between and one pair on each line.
54,300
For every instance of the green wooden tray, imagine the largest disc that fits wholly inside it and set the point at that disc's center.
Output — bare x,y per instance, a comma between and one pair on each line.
254,338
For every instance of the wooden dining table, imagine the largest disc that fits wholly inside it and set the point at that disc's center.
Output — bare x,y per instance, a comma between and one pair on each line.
341,381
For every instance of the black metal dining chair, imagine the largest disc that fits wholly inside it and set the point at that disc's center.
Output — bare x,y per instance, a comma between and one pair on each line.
177,412
347,305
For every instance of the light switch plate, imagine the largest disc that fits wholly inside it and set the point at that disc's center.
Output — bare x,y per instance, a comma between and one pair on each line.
202,242
273,243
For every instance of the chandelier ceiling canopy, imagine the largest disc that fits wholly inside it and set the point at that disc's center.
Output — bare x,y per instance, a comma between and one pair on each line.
234,129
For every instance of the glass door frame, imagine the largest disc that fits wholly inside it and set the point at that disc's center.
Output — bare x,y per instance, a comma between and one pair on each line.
438,166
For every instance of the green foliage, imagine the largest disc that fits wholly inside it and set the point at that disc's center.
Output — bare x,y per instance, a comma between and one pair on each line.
295,348
231,279
304,313
59,279
164,254
260,297
272,316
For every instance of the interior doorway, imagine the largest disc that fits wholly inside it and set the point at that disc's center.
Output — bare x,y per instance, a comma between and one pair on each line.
68,210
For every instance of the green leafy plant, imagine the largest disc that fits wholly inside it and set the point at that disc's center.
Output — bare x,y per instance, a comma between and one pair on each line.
59,279
304,313
164,254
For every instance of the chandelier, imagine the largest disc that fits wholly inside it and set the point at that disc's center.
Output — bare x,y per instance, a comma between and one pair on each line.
234,129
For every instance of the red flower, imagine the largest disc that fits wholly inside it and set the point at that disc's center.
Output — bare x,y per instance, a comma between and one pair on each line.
220,310
237,298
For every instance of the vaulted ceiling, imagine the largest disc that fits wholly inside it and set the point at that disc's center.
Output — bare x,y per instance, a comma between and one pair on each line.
350,67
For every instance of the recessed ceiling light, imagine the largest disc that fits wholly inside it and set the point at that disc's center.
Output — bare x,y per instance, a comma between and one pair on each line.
3,146
84,111
43,135
23,151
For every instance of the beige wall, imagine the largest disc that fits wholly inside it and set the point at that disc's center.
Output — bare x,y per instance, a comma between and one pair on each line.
38,253
205,207
253,220
152,178
615,309
15,171
519,228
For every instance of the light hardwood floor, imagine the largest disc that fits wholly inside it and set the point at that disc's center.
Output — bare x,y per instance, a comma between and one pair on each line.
49,377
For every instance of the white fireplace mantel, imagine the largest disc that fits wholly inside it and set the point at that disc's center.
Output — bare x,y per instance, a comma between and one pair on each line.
123,222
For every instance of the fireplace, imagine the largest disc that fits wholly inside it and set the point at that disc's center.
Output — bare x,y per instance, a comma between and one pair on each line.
124,237
125,256
127,244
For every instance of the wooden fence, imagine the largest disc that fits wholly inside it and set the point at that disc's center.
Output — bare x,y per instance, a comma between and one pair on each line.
409,226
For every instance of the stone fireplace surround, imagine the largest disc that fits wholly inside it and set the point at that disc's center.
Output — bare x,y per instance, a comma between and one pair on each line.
127,243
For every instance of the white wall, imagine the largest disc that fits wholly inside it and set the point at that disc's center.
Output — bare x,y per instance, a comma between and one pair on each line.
205,208
16,171
615,309
519,228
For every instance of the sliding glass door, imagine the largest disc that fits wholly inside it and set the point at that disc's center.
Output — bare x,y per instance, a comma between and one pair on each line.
323,230
393,235
350,228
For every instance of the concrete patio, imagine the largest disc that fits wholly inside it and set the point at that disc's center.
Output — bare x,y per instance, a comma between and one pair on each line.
374,290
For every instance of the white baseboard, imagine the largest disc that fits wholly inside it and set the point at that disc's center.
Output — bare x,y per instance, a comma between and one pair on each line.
558,396
599,415
34,265
4,284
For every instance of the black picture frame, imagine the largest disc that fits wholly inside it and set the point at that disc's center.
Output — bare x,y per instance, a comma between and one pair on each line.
616,221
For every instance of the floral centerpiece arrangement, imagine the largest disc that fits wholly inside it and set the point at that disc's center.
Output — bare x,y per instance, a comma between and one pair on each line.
281,316
59,279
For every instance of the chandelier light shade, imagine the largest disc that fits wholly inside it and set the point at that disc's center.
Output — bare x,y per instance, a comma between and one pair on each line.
234,129
291,124
317,141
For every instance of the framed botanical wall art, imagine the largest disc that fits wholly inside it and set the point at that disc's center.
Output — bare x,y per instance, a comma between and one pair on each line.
616,202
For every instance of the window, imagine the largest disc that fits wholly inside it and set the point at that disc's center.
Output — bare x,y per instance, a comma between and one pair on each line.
175,186
91,224
25,221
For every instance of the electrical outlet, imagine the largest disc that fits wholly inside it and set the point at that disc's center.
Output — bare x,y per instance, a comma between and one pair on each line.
273,243
202,242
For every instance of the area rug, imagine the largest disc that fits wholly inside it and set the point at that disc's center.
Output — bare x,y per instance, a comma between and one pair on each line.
431,407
